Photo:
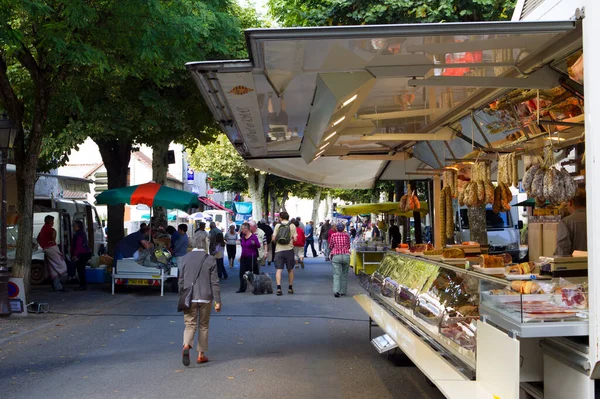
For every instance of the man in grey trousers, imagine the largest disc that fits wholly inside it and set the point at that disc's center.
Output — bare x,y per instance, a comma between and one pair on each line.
198,268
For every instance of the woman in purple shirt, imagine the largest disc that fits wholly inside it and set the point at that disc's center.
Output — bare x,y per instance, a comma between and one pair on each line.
248,260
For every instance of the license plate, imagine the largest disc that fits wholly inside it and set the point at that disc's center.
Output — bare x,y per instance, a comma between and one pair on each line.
137,282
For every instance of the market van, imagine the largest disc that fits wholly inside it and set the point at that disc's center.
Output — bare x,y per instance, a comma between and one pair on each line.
503,232
221,218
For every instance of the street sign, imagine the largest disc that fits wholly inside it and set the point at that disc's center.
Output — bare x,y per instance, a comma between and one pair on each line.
16,294
210,192
13,290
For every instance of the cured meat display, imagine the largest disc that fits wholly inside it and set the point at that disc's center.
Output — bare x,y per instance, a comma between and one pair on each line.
543,182
446,213
480,190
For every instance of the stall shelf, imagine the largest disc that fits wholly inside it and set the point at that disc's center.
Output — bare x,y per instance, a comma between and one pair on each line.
366,261
444,305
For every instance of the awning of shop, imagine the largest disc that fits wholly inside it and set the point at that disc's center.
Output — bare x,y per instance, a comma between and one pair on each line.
373,96
212,204
244,208
382,207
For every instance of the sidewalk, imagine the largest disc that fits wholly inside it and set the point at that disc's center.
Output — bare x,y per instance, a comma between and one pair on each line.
96,299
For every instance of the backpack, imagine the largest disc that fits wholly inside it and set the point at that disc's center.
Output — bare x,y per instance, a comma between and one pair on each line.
284,235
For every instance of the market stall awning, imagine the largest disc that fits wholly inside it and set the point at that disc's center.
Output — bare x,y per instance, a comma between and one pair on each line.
213,204
371,96
382,207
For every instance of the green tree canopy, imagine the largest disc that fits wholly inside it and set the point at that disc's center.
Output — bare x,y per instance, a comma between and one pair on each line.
372,12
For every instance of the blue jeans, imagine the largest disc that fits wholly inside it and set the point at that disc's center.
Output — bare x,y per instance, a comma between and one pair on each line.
341,265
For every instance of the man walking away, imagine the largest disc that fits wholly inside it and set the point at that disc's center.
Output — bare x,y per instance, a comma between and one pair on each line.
394,234
212,238
339,245
309,231
269,237
284,236
180,247
324,235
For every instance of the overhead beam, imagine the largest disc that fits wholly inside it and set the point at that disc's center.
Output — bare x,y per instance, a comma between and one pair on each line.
508,42
544,78
400,156
438,136
402,114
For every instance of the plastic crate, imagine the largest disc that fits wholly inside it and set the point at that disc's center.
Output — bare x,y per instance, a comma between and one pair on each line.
95,276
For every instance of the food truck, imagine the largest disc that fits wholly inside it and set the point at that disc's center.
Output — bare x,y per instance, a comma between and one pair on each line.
475,109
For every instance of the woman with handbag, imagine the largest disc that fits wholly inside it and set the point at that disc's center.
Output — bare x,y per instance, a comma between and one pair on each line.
250,245
198,287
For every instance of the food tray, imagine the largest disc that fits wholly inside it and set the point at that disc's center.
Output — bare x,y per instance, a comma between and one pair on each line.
487,297
454,261
490,271
526,277
433,257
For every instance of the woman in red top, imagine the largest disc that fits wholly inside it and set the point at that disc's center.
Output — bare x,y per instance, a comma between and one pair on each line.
299,244
55,262
339,245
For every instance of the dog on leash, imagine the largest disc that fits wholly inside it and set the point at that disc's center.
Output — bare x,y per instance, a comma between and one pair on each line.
260,283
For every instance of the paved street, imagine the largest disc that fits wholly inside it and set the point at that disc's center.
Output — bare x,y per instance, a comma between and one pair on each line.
308,345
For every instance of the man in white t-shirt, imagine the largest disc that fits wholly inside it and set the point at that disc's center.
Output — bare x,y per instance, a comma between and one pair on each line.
284,237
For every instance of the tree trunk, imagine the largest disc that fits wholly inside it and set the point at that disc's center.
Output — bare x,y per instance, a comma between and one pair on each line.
328,206
266,197
115,154
256,184
284,199
160,167
316,203
27,152
374,200
26,178
477,224
273,204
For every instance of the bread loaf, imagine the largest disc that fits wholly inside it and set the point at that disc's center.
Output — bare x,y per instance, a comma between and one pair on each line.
491,261
525,287
453,253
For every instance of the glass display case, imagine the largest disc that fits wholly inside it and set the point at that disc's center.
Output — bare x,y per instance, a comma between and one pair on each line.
444,302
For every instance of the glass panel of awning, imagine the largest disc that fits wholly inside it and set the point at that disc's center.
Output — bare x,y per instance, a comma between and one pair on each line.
399,58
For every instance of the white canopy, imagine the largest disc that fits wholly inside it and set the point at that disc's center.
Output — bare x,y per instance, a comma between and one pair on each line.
373,96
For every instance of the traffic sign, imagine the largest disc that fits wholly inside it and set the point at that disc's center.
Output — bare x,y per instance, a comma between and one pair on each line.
13,290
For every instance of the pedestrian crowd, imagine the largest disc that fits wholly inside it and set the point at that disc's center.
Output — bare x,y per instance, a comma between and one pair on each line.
285,244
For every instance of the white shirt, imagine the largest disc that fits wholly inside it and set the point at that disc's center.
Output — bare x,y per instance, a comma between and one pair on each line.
199,300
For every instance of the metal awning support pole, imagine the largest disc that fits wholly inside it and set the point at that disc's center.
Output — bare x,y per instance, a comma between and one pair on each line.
437,193
591,32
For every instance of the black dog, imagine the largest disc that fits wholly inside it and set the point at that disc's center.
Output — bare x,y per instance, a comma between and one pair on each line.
260,283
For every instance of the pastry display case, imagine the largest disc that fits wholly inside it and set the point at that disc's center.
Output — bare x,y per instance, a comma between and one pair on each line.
444,302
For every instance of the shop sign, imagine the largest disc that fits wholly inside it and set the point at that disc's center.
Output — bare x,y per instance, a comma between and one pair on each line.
241,95
190,175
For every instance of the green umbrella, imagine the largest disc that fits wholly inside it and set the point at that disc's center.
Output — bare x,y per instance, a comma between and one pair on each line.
151,194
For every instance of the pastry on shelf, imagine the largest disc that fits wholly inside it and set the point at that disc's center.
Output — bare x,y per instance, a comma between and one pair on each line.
521,268
491,261
525,287
453,253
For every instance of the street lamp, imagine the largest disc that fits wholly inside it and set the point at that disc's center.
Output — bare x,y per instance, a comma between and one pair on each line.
7,139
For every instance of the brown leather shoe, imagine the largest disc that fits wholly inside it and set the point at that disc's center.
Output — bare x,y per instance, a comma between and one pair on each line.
202,359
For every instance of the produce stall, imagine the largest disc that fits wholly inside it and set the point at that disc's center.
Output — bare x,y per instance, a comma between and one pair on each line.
507,124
